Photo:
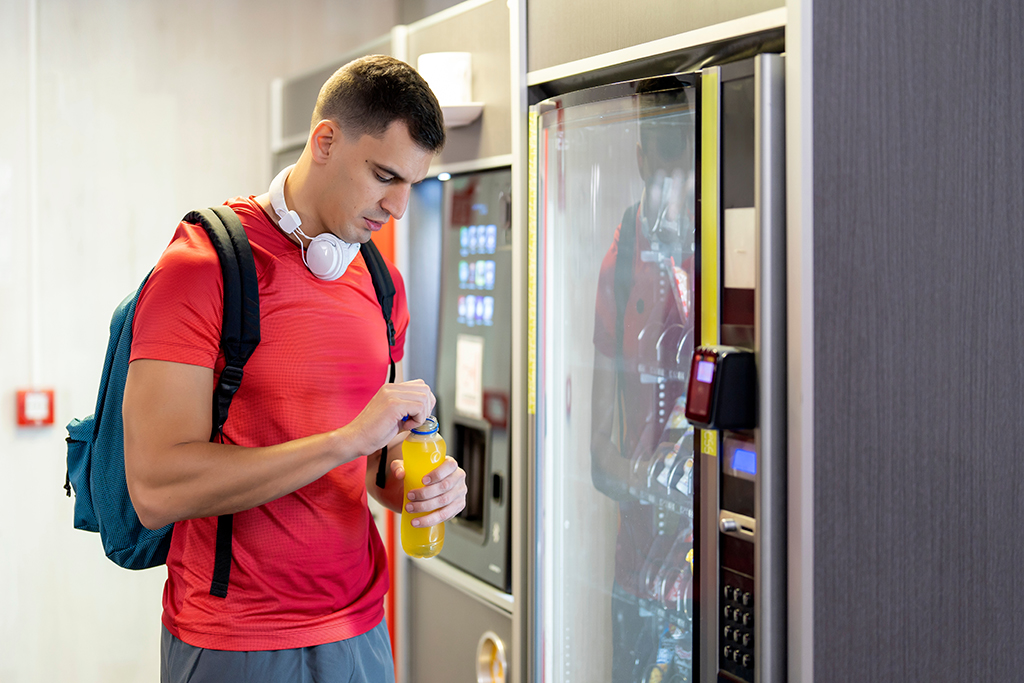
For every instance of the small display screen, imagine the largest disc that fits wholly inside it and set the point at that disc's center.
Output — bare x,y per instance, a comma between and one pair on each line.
705,371
477,274
478,239
744,461
698,395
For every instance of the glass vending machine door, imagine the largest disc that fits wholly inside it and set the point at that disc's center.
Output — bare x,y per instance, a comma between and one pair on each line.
615,327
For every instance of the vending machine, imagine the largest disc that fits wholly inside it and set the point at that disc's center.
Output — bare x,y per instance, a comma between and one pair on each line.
657,361
474,366
459,340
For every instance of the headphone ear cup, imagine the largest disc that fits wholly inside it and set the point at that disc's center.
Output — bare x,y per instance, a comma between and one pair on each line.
324,257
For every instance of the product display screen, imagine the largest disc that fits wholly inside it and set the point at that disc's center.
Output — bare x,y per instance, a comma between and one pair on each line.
478,239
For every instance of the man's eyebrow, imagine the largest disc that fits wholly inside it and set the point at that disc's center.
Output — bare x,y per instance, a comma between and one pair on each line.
394,174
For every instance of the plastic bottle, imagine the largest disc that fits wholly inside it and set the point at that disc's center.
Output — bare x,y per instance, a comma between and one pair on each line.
422,452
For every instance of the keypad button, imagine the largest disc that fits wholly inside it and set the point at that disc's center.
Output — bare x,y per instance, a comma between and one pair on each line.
748,638
727,612
737,616
727,632
737,635
748,662
747,618
727,652
727,592
748,599
737,655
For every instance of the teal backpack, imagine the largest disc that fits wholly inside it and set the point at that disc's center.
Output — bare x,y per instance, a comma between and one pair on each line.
96,443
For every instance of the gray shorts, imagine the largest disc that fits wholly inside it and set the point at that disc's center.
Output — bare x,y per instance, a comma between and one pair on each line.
363,658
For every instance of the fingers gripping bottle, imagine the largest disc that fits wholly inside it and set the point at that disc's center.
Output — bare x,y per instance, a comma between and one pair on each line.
422,452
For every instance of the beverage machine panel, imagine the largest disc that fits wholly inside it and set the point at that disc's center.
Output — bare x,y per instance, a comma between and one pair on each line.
737,395
474,366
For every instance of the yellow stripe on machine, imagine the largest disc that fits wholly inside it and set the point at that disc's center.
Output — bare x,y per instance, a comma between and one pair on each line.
710,223
531,265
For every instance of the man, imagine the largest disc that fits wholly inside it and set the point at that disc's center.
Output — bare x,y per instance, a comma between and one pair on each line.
303,440
643,313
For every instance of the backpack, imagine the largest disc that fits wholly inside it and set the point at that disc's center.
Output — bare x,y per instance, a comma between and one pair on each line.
624,256
95,457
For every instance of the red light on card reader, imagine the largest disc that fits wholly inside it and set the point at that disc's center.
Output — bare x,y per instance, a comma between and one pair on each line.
698,399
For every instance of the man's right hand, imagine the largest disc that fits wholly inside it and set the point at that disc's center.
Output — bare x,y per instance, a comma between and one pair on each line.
394,408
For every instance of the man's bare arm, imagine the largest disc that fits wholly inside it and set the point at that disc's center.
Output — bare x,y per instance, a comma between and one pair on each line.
174,472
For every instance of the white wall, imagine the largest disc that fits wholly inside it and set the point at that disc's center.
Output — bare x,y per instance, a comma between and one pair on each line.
147,109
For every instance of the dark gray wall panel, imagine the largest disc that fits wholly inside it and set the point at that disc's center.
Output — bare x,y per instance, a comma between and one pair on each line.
484,32
566,30
919,340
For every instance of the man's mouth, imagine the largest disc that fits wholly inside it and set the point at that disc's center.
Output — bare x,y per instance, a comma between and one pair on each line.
373,225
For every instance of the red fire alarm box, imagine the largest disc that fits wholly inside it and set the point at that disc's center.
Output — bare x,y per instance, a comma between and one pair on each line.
35,407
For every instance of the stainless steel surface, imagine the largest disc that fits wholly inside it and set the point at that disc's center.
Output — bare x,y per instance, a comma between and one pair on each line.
466,583
737,525
523,498
709,501
770,594
562,32
491,659
447,624
673,44
800,289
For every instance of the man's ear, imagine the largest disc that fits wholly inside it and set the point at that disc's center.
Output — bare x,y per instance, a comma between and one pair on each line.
641,162
324,136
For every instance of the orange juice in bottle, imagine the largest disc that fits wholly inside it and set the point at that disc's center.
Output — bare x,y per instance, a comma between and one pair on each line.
422,452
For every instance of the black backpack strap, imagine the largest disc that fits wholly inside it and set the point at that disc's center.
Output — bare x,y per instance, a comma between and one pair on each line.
240,334
385,290
624,257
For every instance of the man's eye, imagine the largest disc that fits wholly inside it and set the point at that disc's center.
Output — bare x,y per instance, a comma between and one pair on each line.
383,179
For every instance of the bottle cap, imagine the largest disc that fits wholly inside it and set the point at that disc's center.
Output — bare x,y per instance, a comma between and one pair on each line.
428,427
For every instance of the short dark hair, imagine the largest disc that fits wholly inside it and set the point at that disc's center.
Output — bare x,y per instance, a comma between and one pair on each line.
368,94
659,101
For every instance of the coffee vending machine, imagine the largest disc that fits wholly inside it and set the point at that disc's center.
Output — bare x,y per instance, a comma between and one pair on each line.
459,287
658,389
474,367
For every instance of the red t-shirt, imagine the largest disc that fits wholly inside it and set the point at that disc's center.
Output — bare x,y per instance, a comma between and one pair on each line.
650,309
308,568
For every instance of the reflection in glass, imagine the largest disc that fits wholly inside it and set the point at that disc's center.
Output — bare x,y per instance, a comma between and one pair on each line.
615,457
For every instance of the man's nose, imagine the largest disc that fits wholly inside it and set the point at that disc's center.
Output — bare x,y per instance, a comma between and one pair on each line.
396,199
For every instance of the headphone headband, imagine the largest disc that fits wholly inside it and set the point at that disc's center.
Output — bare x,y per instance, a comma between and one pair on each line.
288,220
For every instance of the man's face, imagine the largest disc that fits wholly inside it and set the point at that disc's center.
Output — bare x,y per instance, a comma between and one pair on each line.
667,172
370,181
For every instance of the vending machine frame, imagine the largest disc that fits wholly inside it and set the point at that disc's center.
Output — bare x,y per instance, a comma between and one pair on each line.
769,346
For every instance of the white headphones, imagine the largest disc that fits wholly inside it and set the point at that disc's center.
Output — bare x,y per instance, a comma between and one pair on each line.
327,257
